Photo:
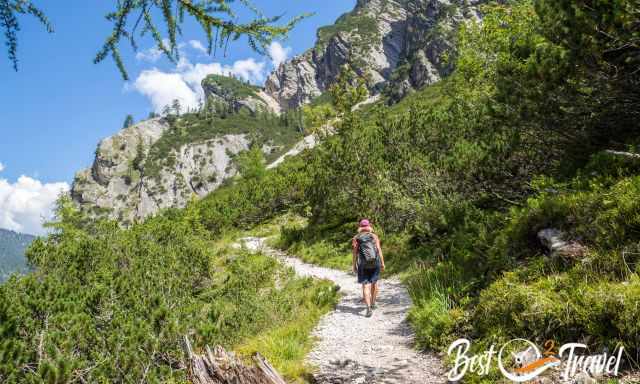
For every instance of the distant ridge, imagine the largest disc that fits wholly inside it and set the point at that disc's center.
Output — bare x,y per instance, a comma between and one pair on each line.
12,247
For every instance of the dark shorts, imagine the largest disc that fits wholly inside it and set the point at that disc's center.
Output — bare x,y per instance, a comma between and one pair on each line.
368,276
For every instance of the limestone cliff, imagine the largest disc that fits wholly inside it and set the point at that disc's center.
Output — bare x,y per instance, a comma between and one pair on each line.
117,186
164,162
398,44
238,95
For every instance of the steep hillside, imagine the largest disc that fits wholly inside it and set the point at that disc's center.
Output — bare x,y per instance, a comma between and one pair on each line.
163,162
398,45
12,247
114,303
506,196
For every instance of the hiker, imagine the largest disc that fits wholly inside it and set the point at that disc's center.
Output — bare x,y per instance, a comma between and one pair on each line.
367,262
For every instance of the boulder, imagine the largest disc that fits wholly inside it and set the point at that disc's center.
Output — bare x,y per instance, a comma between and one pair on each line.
554,240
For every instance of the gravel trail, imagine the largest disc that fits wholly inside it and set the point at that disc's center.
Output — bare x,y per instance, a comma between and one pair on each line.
352,348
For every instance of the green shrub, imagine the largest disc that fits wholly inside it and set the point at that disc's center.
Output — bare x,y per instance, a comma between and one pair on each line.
192,128
246,202
436,321
251,163
540,298
563,308
327,247
112,304
604,215
233,88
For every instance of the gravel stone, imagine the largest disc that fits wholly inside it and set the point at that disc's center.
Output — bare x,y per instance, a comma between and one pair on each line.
352,348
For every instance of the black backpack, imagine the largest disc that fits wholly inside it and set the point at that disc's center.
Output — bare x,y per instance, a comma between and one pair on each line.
367,250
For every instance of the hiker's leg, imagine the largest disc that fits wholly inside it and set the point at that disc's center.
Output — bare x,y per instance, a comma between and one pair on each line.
366,293
374,292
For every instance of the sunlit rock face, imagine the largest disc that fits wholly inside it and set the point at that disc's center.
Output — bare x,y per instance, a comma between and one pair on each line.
398,45
117,186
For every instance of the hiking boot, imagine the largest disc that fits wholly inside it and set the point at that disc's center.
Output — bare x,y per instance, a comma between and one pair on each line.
369,312
374,306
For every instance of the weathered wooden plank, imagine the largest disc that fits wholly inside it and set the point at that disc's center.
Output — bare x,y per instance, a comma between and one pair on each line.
222,367
267,369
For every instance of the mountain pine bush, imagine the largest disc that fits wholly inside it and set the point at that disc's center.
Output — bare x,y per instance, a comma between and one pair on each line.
107,304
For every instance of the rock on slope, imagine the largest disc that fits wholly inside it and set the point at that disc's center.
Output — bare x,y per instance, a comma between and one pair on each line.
238,95
398,44
116,184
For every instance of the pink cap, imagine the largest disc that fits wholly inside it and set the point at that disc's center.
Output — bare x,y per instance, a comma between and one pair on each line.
364,223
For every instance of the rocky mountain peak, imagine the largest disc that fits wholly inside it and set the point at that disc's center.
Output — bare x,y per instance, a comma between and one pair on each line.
121,184
237,94
397,45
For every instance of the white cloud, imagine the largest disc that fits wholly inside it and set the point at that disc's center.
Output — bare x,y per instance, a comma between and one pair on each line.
154,54
162,88
278,53
1,167
198,46
248,70
25,204
183,81
151,55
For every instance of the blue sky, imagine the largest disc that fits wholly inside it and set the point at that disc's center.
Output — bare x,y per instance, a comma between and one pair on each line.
59,104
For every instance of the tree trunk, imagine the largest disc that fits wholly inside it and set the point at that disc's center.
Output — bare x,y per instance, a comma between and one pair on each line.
222,367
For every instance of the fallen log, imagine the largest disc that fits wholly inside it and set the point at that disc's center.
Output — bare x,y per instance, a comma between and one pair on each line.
222,367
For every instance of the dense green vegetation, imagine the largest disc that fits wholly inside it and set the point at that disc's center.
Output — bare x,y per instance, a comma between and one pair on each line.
262,127
457,178
12,247
110,305
250,201
232,87
460,177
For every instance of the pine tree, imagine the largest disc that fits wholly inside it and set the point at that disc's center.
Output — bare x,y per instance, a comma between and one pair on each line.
135,18
166,110
9,11
349,90
128,121
300,120
176,107
136,163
